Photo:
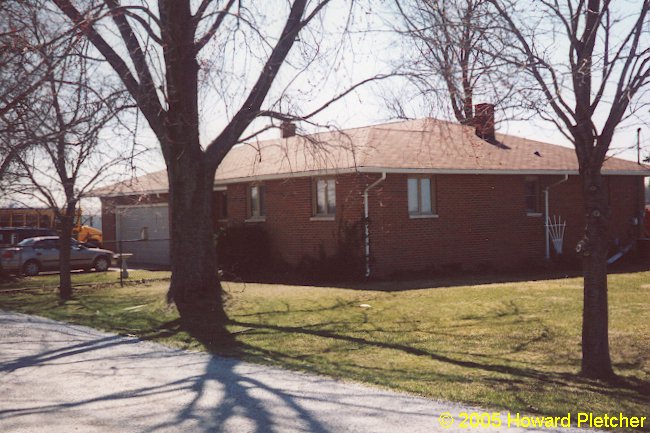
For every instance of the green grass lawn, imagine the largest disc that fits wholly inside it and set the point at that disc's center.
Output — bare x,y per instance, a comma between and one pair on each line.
512,346
51,280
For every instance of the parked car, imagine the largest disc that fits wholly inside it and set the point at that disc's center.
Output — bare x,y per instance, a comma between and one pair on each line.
10,236
33,255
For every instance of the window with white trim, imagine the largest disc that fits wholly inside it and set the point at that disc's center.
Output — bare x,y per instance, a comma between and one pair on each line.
256,203
324,197
422,195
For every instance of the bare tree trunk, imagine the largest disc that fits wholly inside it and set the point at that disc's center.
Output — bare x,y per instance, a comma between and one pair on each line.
195,286
596,362
65,280
588,111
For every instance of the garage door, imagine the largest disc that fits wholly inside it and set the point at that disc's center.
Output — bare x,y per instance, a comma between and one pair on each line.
132,220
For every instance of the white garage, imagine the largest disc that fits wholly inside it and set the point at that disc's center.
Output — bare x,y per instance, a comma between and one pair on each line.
150,222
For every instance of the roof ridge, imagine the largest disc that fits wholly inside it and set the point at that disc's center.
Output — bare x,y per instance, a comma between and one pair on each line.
335,130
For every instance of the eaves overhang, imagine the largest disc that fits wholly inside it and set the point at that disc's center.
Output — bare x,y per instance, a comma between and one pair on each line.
221,184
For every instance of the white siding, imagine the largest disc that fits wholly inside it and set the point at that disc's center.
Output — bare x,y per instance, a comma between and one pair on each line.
131,220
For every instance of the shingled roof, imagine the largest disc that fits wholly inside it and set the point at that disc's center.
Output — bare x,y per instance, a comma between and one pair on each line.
413,146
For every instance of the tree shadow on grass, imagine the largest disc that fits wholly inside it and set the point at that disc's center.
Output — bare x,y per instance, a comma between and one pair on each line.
637,390
216,394
633,389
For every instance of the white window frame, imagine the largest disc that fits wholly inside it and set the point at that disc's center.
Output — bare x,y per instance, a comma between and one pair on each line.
432,197
256,209
330,199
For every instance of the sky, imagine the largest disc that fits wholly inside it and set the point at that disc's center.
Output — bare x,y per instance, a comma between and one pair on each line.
347,58
370,49
344,59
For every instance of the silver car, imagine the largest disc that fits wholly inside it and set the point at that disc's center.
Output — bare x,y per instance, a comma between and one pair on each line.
33,255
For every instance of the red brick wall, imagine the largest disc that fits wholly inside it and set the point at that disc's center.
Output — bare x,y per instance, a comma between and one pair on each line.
481,223
625,204
289,210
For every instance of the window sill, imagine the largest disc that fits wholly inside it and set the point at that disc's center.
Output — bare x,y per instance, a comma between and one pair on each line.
425,216
255,220
322,218
534,214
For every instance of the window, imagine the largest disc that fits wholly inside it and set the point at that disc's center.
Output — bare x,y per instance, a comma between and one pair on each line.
256,201
422,196
47,244
531,192
325,198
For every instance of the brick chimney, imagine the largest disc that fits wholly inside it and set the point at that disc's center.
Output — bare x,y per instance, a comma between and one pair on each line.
484,121
287,129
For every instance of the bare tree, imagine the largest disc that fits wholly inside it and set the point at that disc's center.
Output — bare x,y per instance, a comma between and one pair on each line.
591,64
62,122
14,62
449,54
162,54
22,71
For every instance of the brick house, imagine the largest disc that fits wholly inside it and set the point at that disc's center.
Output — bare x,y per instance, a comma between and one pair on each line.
420,195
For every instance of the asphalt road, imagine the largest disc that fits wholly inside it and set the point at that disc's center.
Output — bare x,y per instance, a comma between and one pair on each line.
56,377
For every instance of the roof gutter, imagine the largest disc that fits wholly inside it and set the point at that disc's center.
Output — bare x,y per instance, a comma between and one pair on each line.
547,235
367,221
222,184
392,170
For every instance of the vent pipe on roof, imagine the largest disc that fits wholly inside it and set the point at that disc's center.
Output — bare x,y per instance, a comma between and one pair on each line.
287,129
484,121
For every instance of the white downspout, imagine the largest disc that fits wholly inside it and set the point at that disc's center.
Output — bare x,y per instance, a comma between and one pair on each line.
546,233
367,223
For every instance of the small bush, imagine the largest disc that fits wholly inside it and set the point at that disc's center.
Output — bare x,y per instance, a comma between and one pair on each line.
244,250
247,252
347,262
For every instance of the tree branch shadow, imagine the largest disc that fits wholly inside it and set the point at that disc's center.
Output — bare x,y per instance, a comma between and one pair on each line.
615,387
213,393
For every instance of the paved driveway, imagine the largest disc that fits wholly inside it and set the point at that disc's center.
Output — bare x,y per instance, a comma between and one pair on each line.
57,377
